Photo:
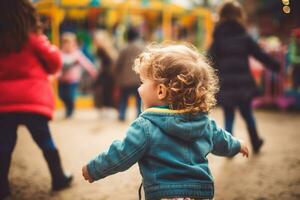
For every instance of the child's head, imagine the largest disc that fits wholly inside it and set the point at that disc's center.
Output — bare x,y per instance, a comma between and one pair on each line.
17,19
231,10
68,42
179,77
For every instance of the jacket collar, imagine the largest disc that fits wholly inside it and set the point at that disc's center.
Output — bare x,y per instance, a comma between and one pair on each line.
165,109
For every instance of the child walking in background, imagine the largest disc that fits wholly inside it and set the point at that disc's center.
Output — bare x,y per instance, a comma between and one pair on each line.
173,136
230,51
26,60
73,61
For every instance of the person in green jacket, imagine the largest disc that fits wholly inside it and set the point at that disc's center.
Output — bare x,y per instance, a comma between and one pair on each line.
171,139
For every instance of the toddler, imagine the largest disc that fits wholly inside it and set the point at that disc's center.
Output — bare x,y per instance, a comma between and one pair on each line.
73,62
171,139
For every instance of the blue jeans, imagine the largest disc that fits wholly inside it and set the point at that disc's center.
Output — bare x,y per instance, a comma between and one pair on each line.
9,122
67,93
247,115
126,92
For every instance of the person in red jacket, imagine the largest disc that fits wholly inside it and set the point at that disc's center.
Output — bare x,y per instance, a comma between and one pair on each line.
26,60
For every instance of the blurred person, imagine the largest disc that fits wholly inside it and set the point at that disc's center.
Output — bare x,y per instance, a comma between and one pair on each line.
127,80
294,58
84,39
104,85
171,139
26,60
230,52
73,62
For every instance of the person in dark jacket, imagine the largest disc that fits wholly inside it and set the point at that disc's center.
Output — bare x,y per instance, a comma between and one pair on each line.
230,51
26,60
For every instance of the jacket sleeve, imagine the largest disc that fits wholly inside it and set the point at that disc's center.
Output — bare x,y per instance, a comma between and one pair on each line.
86,64
48,54
262,56
121,155
224,144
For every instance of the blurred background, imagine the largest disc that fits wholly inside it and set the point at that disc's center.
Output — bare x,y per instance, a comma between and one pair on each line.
270,22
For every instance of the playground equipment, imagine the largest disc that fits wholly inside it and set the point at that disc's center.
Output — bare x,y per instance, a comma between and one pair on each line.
78,9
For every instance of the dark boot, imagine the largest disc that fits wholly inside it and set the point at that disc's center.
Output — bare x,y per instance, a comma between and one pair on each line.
4,169
60,180
255,140
258,145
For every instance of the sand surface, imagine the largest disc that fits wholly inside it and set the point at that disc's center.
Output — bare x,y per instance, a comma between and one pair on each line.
273,174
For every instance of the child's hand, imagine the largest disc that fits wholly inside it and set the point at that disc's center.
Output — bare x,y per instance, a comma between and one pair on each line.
86,175
244,149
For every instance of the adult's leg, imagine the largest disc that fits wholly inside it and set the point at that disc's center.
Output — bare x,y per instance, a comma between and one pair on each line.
229,118
39,129
8,137
125,92
247,114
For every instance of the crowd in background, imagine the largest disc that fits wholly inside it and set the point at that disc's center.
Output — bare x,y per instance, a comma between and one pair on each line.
108,67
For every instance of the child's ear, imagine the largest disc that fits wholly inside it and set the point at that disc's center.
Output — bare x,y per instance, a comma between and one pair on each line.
162,92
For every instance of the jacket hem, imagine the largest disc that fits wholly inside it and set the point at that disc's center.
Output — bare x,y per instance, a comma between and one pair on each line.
28,109
201,190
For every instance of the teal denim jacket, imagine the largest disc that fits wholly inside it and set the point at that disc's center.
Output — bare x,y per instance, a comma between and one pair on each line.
170,147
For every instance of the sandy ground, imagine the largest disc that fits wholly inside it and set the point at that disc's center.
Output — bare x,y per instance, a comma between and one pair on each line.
274,174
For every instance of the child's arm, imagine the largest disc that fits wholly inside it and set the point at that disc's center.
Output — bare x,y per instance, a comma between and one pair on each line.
262,56
224,144
121,154
48,54
86,64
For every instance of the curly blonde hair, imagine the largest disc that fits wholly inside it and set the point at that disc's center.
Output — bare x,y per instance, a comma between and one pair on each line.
190,81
